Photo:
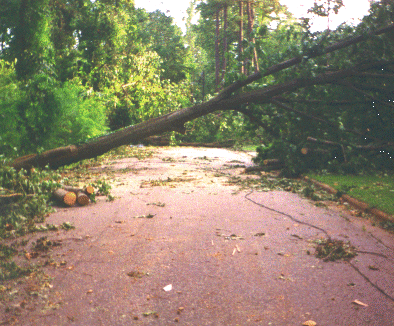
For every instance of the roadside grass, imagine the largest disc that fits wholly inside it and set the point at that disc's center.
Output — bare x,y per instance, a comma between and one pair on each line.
375,190
249,148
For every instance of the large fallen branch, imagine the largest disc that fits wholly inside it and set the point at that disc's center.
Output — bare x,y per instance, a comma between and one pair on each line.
223,101
359,147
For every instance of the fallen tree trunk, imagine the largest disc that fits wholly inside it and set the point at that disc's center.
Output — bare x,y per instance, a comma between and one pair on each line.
359,147
219,144
175,121
158,141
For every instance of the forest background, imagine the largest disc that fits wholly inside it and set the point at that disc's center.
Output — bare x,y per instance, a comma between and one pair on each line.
71,71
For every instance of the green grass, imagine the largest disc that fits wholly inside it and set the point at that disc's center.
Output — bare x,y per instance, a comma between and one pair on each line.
375,190
249,148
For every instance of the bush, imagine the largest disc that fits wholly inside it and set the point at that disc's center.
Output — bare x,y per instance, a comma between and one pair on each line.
10,93
42,114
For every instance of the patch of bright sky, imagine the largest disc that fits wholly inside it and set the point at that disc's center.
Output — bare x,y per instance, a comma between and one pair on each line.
353,11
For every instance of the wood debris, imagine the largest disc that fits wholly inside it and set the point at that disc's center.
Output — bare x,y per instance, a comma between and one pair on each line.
69,195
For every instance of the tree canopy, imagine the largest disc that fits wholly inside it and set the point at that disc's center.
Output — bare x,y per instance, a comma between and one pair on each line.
73,70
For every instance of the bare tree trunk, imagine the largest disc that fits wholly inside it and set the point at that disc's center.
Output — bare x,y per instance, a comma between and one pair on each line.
250,27
224,59
255,58
217,54
241,37
250,10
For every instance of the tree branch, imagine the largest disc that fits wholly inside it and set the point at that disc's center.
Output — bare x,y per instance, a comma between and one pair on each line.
296,60
312,117
373,98
318,102
254,119
175,121
360,147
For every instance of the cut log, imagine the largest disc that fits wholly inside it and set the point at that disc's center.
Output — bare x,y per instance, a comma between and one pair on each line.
88,190
66,197
82,194
307,150
82,198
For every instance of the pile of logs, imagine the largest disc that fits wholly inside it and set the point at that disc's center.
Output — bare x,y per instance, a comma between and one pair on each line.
70,195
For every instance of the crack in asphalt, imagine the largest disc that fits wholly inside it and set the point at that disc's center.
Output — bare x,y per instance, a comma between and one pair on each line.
326,233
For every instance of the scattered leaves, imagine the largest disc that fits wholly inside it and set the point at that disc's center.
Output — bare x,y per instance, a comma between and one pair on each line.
166,182
232,236
6,252
373,268
137,274
31,255
145,216
43,244
67,226
296,236
151,313
10,270
159,204
331,249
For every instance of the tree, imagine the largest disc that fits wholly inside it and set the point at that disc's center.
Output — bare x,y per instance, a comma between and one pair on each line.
228,99
166,40
31,44
221,31
324,8
241,36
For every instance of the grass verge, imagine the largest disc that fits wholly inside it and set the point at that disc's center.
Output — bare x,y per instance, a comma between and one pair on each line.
375,190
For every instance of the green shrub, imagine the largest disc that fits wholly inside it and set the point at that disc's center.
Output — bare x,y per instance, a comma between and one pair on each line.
43,114
34,189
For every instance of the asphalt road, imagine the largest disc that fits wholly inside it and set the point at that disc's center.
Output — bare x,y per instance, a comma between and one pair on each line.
182,245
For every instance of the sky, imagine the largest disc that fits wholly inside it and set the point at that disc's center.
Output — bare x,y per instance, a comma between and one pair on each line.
354,9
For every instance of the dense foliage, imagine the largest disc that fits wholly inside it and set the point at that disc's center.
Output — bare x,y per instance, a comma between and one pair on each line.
72,70
342,126
354,114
